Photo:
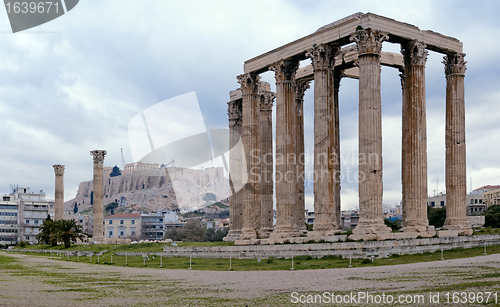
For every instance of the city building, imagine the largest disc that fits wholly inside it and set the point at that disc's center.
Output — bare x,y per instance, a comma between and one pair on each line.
123,225
152,226
9,221
492,197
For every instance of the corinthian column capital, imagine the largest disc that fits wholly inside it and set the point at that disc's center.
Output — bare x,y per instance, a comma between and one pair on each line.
98,155
267,100
454,63
369,41
234,110
285,70
249,83
58,169
414,53
300,89
323,56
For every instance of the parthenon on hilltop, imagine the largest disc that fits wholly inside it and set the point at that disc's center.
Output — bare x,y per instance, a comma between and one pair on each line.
348,48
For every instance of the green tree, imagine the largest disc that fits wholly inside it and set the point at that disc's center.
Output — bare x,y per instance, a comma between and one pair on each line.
492,216
46,234
111,207
115,172
192,231
215,234
436,216
395,225
75,208
91,198
67,231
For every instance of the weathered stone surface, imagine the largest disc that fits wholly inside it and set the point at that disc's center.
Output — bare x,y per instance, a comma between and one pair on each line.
300,88
59,192
235,168
325,138
266,159
251,144
97,214
371,224
414,140
286,148
456,180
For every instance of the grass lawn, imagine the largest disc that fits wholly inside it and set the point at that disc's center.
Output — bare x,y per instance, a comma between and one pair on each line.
222,264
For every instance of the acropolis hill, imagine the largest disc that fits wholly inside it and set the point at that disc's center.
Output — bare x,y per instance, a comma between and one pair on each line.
154,190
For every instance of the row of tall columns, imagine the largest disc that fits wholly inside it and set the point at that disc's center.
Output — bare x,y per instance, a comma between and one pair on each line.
98,188
256,197
59,192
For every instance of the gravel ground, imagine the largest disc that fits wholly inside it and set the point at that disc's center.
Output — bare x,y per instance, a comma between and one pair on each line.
98,285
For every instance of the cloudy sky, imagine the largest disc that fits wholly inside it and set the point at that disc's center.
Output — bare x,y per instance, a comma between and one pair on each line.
72,85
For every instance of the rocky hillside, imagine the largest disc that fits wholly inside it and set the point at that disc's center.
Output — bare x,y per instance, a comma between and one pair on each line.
151,190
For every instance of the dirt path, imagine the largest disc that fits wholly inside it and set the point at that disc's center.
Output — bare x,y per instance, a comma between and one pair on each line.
61,283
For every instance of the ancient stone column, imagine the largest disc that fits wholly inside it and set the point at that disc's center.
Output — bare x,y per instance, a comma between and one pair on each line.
286,143
456,186
300,88
59,192
98,188
414,141
325,138
234,112
338,75
251,145
371,224
266,141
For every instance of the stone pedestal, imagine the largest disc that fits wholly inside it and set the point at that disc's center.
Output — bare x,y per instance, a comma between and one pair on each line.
414,141
235,152
251,143
371,224
59,192
266,141
456,180
98,189
286,143
325,138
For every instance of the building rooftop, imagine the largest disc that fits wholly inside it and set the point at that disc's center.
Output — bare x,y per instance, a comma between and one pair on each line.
123,215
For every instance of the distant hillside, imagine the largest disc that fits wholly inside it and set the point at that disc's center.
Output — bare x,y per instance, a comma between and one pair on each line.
154,189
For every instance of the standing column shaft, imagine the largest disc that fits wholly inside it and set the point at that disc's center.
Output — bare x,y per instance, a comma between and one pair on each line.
286,142
235,152
371,224
336,179
266,134
414,140
325,138
301,87
59,192
98,188
251,144
456,185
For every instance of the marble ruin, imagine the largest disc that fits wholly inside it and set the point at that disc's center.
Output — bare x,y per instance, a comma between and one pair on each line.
59,192
348,48
97,210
